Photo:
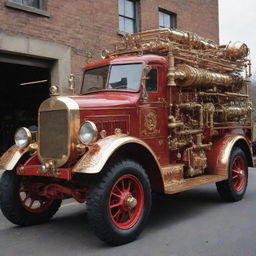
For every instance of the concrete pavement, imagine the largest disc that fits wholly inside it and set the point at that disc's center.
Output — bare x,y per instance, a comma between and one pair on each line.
192,223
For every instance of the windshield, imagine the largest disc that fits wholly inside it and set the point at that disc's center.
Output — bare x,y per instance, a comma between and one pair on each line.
116,77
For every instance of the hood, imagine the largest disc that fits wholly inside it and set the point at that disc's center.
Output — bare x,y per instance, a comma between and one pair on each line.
107,99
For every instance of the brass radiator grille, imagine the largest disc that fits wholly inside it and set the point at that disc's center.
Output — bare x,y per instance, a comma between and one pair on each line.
53,132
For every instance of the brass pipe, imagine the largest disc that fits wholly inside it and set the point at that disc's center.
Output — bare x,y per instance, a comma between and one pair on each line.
237,94
178,36
202,146
198,60
175,125
226,94
171,69
188,132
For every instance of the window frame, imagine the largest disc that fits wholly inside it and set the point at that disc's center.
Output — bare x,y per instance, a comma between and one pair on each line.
23,7
135,19
173,18
106,89
40,2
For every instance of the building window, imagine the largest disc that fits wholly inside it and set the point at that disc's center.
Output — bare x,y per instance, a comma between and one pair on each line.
31,3
31,6
167,19
127,16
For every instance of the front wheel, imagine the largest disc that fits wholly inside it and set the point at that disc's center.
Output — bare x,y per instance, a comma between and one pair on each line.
234,188
20,203
120,202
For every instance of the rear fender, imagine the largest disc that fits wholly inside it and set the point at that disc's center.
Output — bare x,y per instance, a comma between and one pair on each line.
219,155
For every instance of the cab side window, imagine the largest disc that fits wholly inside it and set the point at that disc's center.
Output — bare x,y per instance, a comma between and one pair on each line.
151,83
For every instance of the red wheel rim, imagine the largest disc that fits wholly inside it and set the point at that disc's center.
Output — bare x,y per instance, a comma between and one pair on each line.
126,201
239,174
30,200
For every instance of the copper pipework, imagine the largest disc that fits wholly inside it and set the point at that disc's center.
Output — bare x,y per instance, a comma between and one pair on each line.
192,105
173,123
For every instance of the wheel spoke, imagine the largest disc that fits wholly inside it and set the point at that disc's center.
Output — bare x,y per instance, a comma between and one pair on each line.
235,171
116,195
115,205
123,188
236,182
129,186
116,215
123,217
235,165
118,190
129,214
235,176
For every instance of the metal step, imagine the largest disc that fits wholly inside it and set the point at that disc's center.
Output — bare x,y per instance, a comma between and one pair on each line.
186,184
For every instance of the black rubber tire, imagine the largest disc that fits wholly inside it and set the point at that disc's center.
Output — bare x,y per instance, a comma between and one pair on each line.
98,200
12,207
226,188
254,147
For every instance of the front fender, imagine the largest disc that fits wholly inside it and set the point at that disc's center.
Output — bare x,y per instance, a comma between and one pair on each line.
219,155
98,154
11,157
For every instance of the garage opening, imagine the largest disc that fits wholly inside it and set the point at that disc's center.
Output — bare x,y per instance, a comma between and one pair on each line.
24,85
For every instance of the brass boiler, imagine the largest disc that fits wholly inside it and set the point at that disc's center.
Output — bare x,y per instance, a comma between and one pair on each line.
186,75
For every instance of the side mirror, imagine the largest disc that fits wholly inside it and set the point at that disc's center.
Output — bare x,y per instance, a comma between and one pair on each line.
145,72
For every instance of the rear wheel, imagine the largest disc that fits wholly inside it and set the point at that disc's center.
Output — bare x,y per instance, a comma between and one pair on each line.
234,188
20,203
120,202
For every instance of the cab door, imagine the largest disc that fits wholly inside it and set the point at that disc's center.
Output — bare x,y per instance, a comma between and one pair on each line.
153,113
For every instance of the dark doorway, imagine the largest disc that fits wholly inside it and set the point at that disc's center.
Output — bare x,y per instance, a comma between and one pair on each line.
19,98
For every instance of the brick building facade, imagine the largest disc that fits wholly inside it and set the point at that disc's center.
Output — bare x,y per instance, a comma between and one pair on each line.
58,37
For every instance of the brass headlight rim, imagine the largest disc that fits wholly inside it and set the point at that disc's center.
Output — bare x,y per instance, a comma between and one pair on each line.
28,134
94,130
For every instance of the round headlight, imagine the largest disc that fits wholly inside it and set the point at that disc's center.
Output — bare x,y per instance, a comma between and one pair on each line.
88,132
22,137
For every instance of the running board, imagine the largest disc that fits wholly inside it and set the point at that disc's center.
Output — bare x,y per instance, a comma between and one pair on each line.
186,184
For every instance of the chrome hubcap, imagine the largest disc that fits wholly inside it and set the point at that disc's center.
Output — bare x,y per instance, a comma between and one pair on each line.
241,174
131,202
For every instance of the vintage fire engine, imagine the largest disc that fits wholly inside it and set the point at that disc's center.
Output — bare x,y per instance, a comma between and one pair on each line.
165,111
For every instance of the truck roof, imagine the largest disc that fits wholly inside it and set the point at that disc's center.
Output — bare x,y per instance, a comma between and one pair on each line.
146,58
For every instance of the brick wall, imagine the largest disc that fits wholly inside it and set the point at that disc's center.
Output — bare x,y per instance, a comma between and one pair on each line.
88,26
